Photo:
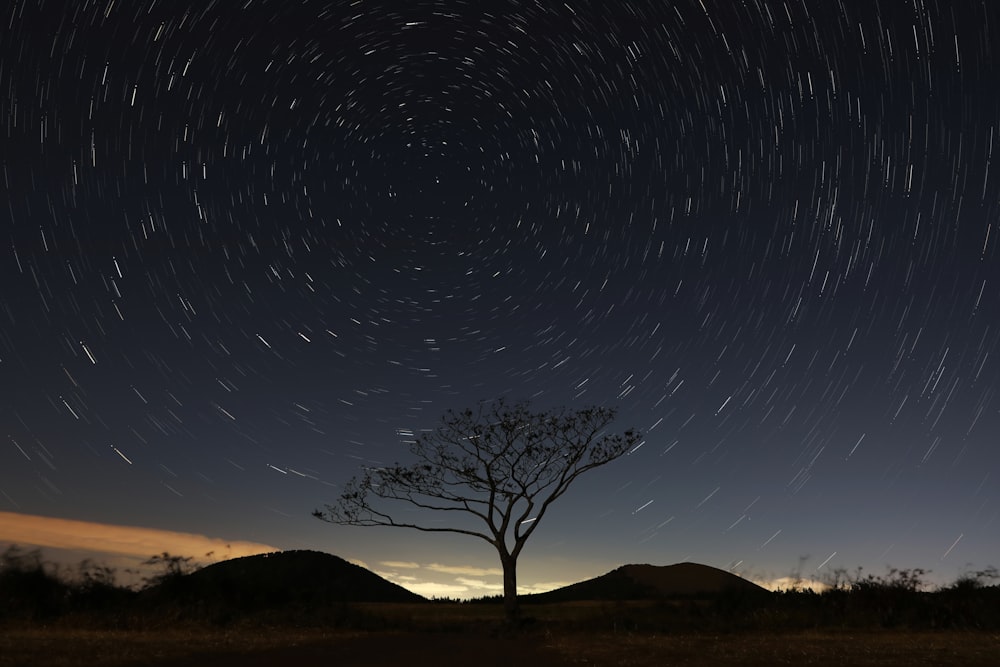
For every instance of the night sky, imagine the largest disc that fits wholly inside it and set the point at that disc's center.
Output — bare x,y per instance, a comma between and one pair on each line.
250,247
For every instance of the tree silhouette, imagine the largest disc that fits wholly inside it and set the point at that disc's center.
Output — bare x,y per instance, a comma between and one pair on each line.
171,568
499,464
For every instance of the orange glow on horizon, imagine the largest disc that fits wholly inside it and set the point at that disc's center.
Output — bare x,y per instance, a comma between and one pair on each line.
136,541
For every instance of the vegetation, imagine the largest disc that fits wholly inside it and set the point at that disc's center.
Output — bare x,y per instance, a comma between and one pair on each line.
272,590
500,465
72,616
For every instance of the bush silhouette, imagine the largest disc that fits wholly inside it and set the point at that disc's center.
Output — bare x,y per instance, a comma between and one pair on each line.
311,589
29,590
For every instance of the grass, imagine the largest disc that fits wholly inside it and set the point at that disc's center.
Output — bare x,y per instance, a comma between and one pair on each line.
803,648
51,621
68,647
59,646
573,633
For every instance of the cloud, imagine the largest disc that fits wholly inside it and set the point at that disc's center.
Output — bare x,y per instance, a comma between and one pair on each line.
41,531
541,587
431,589
463,587
791,583
465,570
400,564
479,583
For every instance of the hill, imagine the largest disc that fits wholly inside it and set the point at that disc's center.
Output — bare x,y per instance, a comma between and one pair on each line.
651,582
280,580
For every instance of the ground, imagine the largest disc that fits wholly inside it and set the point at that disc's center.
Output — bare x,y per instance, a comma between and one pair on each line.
42,647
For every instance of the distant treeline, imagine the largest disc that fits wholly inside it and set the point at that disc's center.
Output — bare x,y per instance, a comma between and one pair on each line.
33,591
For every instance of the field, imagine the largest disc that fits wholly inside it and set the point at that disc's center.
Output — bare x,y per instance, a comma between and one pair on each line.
297,609
459,634
74,648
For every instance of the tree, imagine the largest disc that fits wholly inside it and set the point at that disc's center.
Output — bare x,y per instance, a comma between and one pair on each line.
495,469
171,569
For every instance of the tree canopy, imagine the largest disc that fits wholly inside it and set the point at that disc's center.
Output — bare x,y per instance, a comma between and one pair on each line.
496,468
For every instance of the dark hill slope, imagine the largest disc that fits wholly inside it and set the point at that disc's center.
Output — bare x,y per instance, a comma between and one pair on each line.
651,582
285,579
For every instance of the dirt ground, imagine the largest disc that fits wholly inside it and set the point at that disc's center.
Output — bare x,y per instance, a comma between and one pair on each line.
392,649
41,648
415,650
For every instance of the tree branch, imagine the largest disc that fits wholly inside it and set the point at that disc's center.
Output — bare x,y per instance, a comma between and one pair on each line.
485,463
325,516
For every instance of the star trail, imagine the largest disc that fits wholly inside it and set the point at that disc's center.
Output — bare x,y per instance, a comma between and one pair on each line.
249,247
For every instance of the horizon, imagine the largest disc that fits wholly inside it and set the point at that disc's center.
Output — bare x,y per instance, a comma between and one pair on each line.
430,580
135,572
250,252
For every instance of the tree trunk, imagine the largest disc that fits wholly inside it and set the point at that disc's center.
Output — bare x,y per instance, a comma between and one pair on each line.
511,608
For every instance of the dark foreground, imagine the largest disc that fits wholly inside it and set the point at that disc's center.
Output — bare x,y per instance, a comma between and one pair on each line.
41,647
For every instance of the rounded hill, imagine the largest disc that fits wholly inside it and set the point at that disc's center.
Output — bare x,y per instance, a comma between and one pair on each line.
650,582
280,580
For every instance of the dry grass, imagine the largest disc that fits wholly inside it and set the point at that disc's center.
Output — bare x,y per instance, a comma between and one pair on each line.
886,649
62,647
811,648
579,633
459,616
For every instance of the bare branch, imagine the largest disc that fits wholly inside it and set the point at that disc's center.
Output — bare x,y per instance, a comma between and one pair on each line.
387,521
497,464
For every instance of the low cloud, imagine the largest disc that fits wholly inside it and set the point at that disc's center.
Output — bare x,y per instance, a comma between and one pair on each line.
463,581
479,584
430,589
400,564
792,583
541,587
135,541
465,570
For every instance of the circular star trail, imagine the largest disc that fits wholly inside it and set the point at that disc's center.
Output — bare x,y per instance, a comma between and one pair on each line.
249,247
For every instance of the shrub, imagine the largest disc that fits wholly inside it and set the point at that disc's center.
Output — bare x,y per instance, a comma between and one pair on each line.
29,588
